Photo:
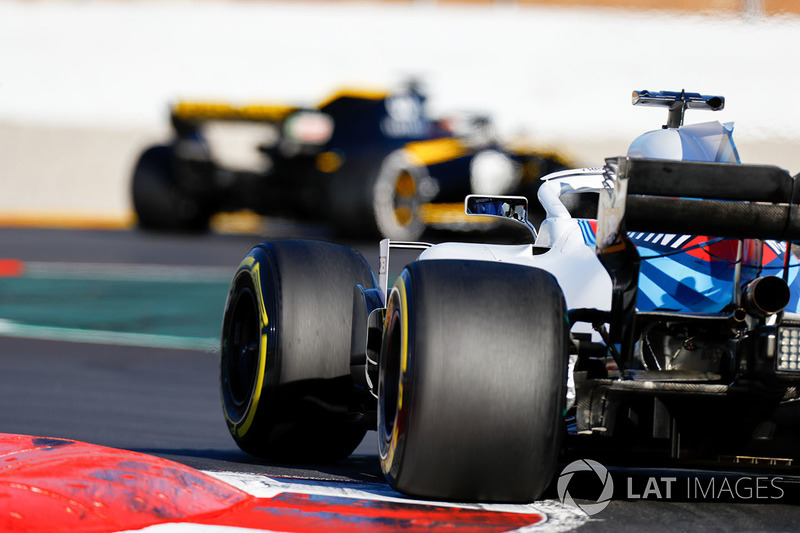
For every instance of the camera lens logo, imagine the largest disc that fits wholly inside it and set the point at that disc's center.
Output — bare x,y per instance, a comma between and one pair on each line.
586,465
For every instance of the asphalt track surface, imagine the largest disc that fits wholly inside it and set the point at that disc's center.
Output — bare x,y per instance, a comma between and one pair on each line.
165,401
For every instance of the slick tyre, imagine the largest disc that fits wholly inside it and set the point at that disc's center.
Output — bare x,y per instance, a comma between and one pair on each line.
285,355
397,196
472,381
160,203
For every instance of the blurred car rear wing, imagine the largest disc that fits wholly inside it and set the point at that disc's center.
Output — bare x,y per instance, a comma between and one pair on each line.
200,111
679,197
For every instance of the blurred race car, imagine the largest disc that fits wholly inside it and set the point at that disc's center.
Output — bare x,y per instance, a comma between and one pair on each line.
368,162
652,313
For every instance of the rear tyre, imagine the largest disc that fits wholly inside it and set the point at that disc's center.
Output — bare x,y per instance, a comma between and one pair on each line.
285,359
472,381
396,198
159,201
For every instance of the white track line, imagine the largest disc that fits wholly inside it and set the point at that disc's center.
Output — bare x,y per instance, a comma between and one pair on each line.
10,328
128,272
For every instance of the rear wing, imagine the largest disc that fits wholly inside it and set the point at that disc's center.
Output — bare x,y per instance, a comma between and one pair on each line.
188,111
678,197
197,111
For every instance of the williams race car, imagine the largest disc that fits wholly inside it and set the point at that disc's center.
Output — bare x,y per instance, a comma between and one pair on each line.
656,310
368,162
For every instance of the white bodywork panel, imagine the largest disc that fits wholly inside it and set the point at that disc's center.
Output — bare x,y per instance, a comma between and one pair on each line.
582,278
708,141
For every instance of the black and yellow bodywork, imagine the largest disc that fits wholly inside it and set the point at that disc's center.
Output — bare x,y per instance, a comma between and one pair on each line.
451,164
370,162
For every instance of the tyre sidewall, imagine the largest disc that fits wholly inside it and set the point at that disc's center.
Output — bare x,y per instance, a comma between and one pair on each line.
244,422
394,380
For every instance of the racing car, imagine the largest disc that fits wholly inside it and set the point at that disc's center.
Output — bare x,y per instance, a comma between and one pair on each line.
368,162
655,309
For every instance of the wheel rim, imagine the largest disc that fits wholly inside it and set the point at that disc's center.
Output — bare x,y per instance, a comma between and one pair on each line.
405,191
242,348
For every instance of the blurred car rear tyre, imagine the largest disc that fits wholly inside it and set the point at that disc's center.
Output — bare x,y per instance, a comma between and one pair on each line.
159,201
472,381
397,198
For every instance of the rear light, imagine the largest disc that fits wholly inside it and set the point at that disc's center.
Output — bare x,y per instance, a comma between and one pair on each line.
788,350
309,127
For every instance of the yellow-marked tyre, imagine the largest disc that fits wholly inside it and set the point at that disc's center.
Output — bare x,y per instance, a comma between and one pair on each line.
285,378
472,381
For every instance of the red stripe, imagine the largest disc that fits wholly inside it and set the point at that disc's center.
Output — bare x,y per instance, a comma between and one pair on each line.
11,268
74,486
304,513
82,487
769,255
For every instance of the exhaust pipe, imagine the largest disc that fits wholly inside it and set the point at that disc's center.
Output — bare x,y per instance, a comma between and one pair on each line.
738,319
765,296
